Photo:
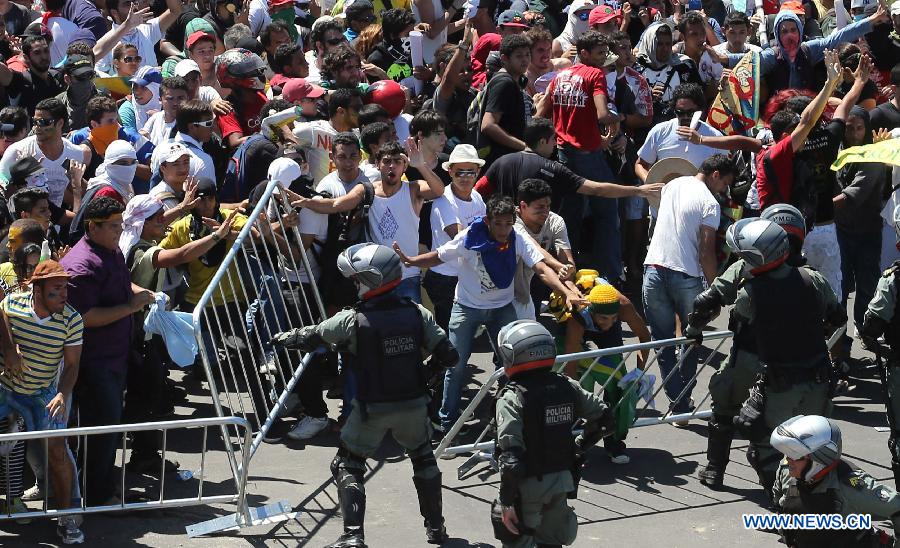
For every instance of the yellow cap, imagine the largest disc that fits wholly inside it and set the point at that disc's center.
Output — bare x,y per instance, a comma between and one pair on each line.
604,299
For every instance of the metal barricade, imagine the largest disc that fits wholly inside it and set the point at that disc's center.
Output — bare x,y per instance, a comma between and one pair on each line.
247,302
483,450
244,516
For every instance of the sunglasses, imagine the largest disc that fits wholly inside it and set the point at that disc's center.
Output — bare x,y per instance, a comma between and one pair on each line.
132,59
204,123
466,172
334,41
679,112
43,122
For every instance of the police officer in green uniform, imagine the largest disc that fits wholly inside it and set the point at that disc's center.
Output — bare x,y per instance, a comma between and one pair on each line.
385,333
536,452
812,479
882,319
789,308
730,385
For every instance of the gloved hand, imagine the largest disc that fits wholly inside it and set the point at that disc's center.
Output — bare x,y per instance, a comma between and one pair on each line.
751,412
304,338
695,333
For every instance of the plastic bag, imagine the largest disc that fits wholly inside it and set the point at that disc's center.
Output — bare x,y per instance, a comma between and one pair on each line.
175,328
644,389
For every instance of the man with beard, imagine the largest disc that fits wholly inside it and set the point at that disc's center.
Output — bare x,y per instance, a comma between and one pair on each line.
39,82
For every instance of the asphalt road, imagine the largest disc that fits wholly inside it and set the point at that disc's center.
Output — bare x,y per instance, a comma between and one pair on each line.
655,500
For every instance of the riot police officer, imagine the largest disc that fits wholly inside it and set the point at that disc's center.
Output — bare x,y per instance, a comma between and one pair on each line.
812,479
385,334
789,308
730,385
538,456
881,318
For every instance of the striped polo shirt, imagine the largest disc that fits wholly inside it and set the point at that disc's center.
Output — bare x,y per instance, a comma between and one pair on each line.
40,340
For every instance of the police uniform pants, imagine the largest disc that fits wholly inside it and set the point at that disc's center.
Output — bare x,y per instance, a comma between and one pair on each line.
805,398
410,426
546,511
893,388
730,386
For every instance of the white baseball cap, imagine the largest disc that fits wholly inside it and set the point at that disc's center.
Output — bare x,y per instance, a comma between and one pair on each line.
185,67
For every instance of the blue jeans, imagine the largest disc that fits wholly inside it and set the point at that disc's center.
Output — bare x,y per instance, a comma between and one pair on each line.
410,287
441,290
606,241
668,293
464,323
860,267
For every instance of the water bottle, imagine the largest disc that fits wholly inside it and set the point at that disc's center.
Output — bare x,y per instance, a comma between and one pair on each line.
185,475
45,250
270,123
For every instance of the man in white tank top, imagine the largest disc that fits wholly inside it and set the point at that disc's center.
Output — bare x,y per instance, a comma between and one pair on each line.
394,215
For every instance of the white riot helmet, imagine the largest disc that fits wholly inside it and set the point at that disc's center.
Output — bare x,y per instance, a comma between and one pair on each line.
525,345
371,266
762,244
809,436
787,217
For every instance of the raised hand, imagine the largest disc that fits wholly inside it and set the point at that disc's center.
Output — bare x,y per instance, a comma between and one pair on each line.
137,18
864,69
413,154
190,200
832,66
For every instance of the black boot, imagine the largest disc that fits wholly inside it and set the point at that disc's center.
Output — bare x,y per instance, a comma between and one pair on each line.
721,433
348,475
431,508
765,468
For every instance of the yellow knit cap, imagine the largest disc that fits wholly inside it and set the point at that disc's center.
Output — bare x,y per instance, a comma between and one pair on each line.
585,279
604,299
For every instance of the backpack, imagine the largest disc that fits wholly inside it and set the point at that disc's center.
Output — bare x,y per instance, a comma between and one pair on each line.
473,120
344,230
241,177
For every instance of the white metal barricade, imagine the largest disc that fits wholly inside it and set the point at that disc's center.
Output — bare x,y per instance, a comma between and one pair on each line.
243,516
249,300
483,450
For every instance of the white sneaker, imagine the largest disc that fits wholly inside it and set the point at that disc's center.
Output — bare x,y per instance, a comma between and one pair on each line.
308,427
34,493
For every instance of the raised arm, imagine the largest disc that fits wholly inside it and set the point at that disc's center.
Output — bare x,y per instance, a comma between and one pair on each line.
328,206
432,187
454,68
725,142
612,190
813,111
425,260
108,41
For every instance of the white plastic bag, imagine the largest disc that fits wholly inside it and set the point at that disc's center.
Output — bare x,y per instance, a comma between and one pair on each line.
644,389
176,329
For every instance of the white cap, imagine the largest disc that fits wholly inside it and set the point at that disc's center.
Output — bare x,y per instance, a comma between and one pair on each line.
463,154
185,67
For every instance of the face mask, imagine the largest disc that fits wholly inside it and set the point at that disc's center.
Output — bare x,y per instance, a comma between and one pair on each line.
790,43
102,136
80,92
123,175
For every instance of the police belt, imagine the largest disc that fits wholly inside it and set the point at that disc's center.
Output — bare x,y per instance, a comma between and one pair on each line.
781,377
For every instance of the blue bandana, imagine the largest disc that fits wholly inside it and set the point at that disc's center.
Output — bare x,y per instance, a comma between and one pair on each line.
499,258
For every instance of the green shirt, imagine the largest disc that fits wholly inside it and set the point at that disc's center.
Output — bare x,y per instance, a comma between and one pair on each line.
884,302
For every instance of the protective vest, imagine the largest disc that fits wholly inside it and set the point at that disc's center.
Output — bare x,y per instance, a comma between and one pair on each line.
801,500
389,339
744,334
892,331
548,414
782,302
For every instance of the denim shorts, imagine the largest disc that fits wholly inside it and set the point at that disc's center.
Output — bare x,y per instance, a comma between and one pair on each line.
33,408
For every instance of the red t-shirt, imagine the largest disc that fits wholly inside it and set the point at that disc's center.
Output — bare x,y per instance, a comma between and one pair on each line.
574,114
780,157
110,192
244,118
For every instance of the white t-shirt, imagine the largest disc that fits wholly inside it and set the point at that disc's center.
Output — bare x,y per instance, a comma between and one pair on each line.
662,142
431,45
553,237
686,205
401,126
61,30
145,37
166,194
315,139
475,288
370,171
157,128
57,176
448,210
394,220
208,94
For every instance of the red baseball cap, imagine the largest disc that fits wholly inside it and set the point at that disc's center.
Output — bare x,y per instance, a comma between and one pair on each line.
602,14
296,89
280,3
198,35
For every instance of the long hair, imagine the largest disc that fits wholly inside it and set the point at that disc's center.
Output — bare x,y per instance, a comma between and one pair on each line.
368,38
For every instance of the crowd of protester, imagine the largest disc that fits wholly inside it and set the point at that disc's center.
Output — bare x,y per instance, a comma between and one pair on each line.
500,148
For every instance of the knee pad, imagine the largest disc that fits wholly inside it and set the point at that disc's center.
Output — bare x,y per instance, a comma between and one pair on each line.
348,468
423,462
